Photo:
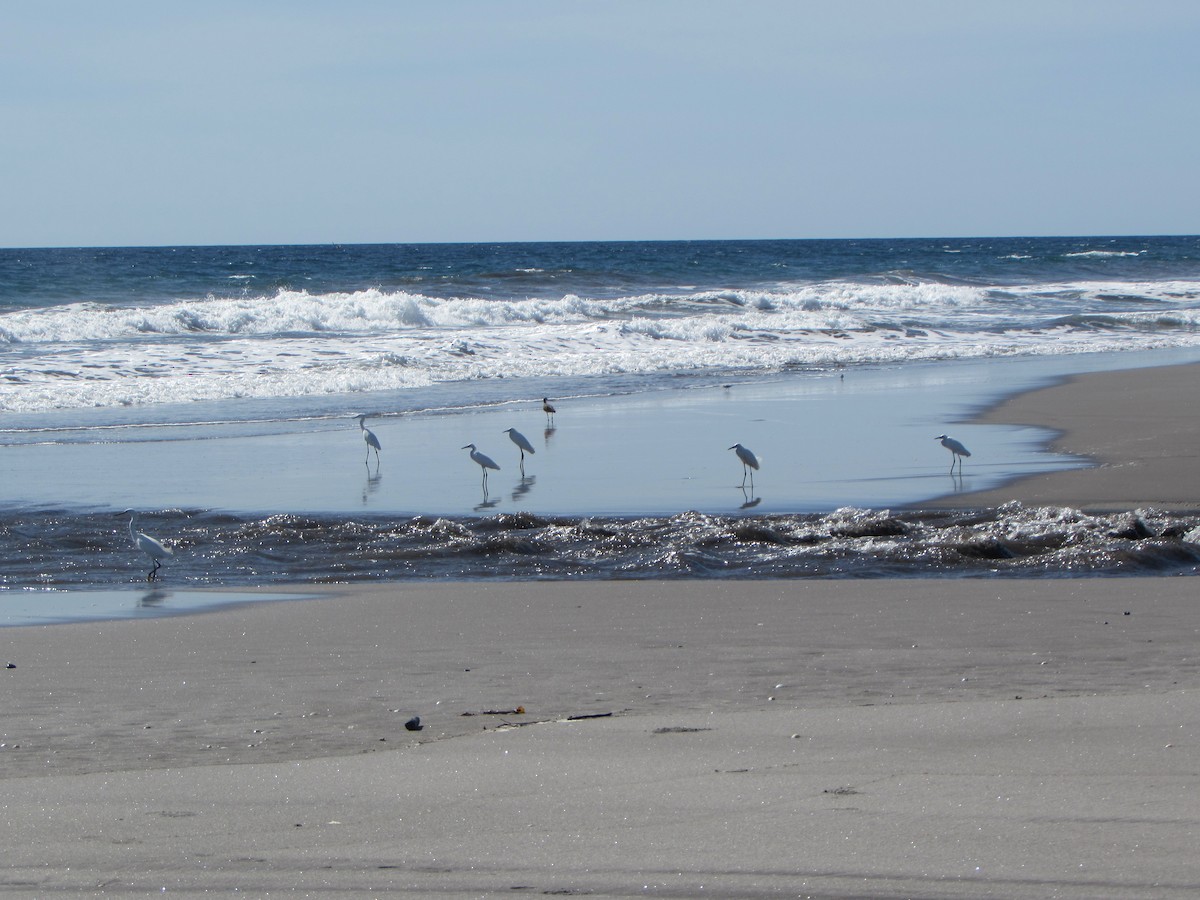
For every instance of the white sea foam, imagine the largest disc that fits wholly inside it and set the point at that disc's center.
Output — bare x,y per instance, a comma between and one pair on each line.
296,344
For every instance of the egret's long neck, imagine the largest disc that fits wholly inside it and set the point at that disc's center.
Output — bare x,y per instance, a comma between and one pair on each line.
132,530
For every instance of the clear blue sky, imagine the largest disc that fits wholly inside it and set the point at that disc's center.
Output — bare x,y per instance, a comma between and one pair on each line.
150,122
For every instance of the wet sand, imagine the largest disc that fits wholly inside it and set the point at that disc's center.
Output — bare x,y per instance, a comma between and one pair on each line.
891,738
1140,428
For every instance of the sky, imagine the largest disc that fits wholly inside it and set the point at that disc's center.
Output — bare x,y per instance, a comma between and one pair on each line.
144,123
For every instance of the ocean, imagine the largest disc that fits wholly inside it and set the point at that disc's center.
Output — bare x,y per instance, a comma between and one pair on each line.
178,380
124,334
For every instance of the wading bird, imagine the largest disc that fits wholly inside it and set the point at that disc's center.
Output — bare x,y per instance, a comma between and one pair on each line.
548,409
148,545
370,439
749,462
522,442
485,462
957,451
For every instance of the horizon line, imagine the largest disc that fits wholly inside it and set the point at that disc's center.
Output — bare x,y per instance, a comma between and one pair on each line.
462,243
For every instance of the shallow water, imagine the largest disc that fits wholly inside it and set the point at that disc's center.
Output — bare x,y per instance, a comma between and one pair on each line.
824,441
643,486
57,606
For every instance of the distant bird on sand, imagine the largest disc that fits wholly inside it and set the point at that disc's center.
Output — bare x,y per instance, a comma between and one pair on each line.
522,443
485,462
749,462
369,437
148,545
957,451
548,409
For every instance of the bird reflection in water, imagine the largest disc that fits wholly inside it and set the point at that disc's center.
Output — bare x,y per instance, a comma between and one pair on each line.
523,487
956,479
371,485
153,598
749,499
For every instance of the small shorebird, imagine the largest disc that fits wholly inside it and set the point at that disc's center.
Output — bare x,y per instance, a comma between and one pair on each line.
369,436
749,462
957,451
148,545
522,443
485,462
548,409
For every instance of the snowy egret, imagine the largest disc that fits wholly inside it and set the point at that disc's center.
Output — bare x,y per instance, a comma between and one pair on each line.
522,442
485,462
148,545
957,451
369,436
749,462
548,409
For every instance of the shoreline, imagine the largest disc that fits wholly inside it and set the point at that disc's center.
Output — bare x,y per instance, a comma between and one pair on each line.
1134,426
1128,421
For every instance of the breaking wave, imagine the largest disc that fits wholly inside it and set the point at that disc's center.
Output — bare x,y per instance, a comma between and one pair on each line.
296,344
63,549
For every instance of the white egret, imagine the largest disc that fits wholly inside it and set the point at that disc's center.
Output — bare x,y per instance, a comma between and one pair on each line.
548,409
370,439
749,462
148,545
522,443
485,462
957,451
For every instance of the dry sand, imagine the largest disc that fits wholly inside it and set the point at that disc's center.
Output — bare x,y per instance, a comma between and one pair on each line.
916,738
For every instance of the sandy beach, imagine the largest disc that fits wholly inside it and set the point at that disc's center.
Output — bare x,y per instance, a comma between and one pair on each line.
879,738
